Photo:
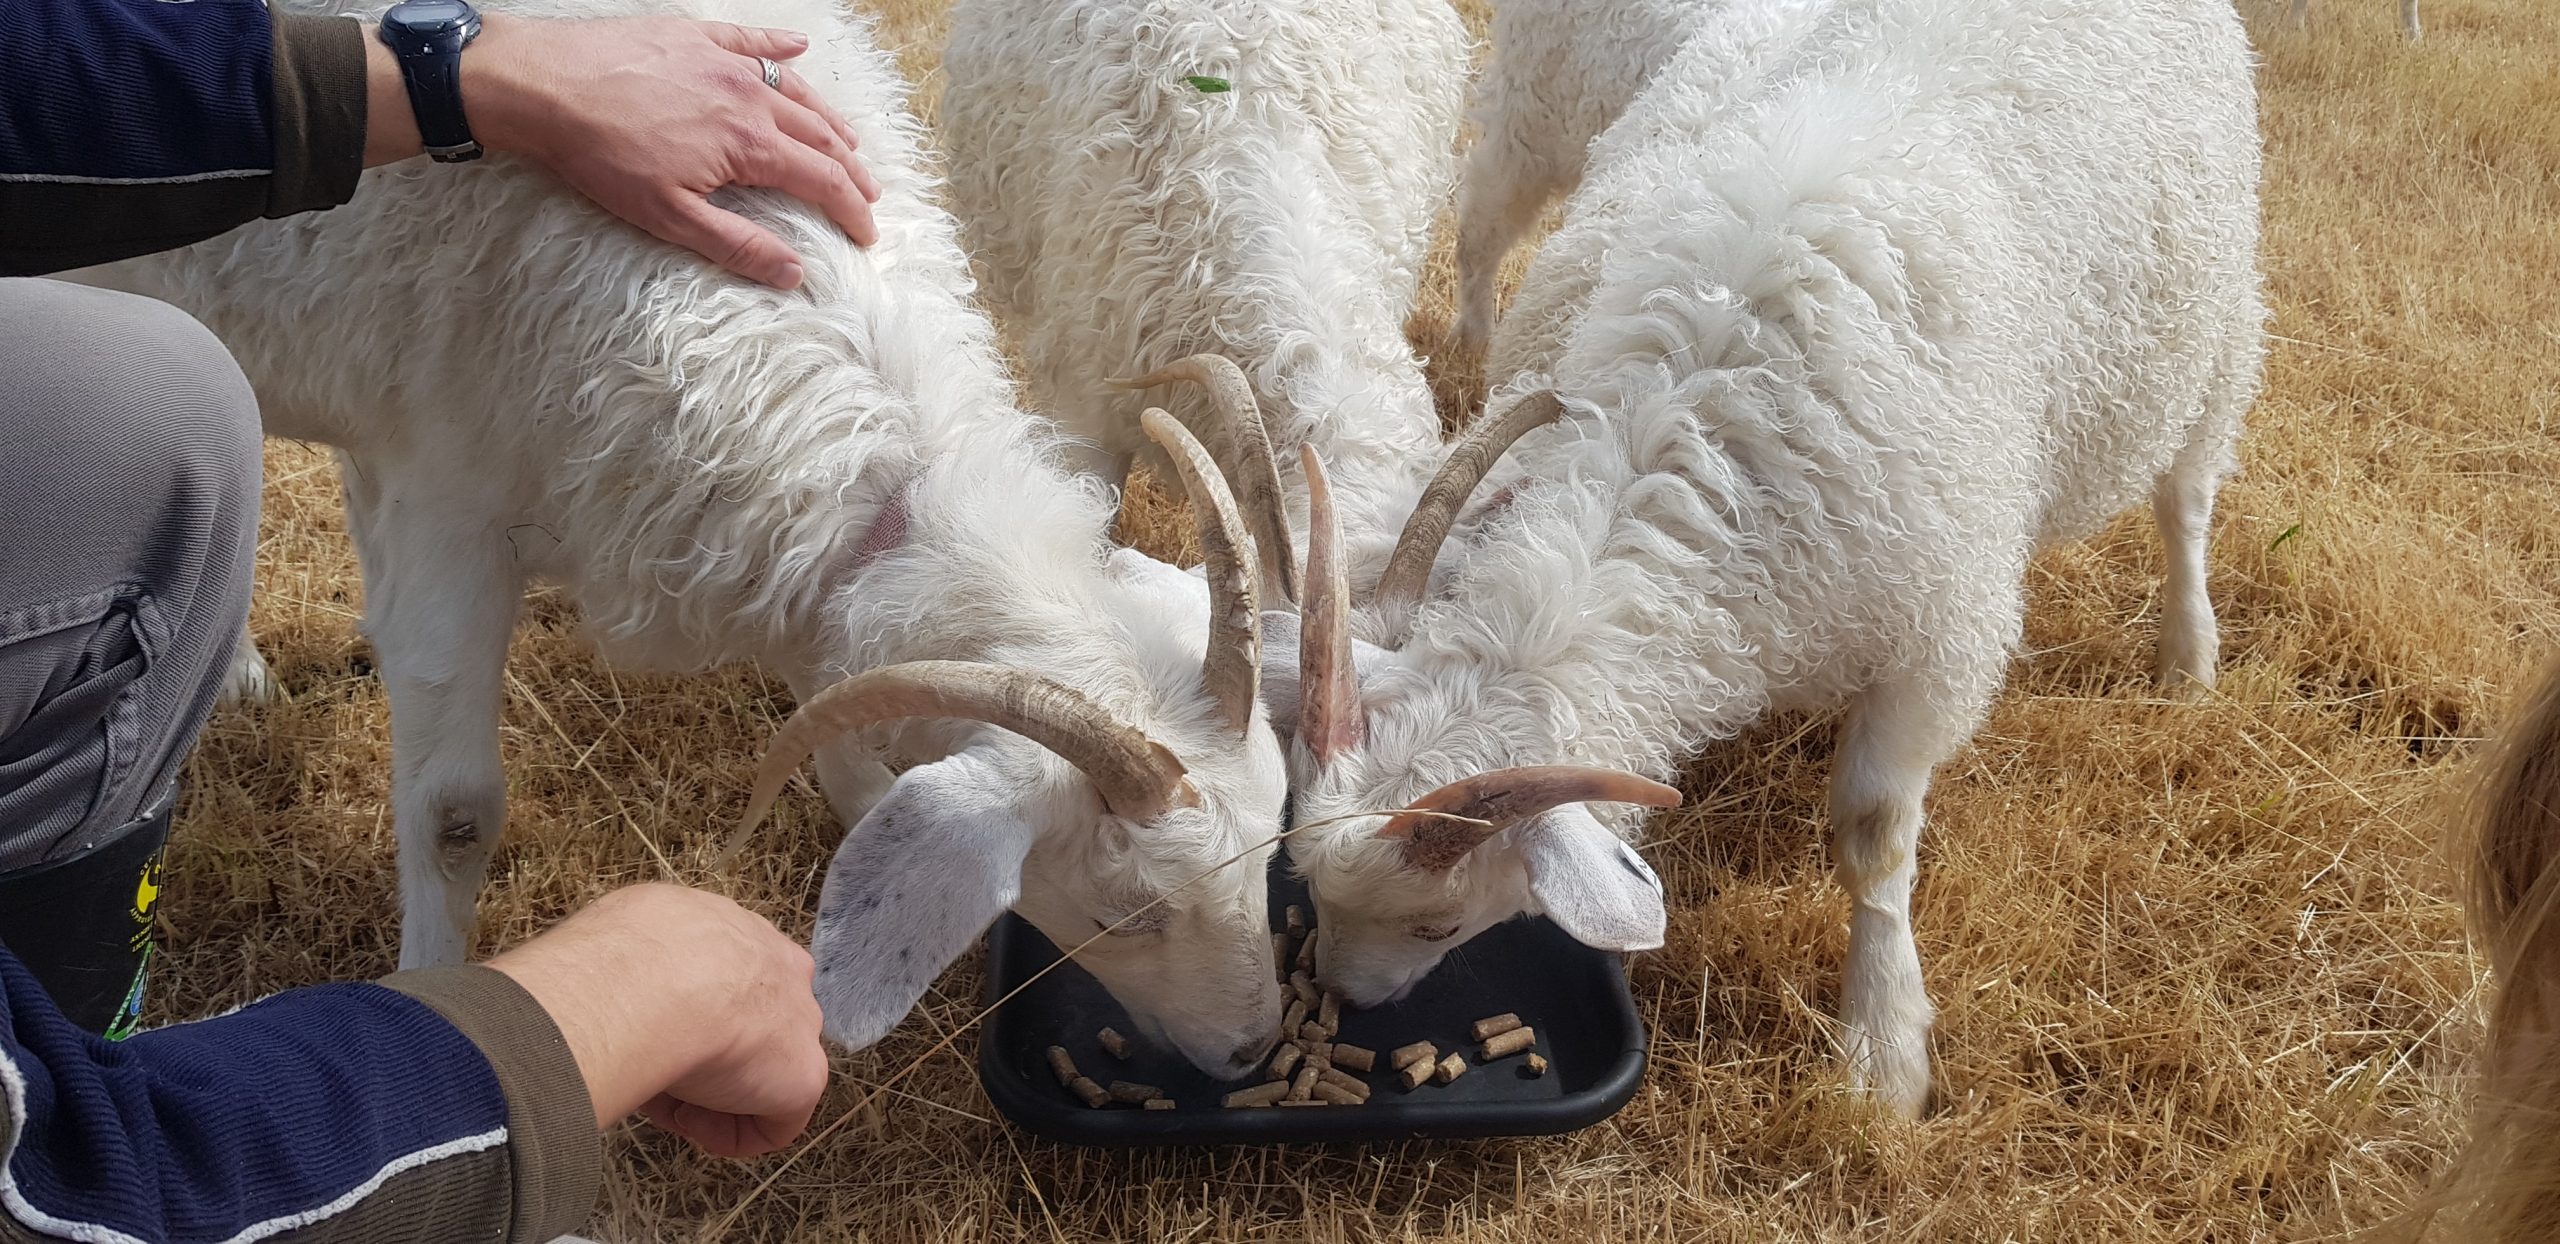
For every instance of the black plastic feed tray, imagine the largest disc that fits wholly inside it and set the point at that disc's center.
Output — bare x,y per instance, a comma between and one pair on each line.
1576,998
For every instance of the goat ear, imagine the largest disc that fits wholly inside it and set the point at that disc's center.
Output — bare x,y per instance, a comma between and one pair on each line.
913,885
1280,667
1592,884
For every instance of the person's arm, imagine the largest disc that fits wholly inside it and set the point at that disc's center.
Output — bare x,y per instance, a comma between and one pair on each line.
449,1104
127,128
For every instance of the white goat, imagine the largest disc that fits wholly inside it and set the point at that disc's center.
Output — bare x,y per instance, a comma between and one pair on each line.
1143,180
837,483
1562,70
1950,277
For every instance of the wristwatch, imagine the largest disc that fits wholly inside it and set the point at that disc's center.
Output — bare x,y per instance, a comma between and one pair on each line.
428,37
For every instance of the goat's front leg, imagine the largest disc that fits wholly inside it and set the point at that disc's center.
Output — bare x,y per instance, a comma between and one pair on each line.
1896,734
248,681
2182,507
1506,185
441,591
850,775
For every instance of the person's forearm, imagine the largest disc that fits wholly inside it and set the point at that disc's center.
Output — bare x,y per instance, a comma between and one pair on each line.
127,128
354,1109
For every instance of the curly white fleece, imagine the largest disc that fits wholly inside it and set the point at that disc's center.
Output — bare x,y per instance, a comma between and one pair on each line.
1125,217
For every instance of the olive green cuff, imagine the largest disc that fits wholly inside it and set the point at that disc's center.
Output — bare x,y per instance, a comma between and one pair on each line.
319,113
557,1156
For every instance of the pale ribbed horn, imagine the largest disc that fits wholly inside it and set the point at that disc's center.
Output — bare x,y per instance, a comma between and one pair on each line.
1504,797
1139,779
1329,718
1232,670
1241,444
1408,572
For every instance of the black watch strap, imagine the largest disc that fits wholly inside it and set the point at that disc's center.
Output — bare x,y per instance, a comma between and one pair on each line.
434,81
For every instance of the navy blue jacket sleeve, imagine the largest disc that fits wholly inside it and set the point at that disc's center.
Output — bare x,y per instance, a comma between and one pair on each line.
133,125
321,1113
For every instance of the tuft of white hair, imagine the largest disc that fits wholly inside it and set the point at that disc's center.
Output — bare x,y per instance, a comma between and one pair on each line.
1143,180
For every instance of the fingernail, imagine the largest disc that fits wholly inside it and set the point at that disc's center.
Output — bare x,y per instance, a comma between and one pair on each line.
788,278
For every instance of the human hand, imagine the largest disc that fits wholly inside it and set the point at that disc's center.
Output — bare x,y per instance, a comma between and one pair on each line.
683,1006
648,116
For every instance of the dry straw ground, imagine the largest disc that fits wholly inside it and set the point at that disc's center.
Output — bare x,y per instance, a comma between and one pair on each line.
2199,976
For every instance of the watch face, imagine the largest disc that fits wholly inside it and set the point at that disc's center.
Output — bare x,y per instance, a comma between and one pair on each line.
428,16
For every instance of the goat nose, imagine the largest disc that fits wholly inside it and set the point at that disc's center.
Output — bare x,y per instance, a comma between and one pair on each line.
1250,1053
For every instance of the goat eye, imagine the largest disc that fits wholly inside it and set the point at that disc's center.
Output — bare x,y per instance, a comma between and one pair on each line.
1433,933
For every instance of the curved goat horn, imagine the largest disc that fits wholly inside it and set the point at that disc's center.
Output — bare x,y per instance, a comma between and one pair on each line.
1504,797
1138,777
1329,720
1408,572
1241,445
1232,671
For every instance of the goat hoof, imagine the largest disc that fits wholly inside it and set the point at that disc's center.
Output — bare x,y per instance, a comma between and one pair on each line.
248,682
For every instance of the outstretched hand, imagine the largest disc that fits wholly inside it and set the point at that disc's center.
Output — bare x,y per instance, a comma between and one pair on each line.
648,116
681,1005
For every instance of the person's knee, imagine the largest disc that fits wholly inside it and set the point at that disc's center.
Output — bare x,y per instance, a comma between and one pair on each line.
132,389
126,541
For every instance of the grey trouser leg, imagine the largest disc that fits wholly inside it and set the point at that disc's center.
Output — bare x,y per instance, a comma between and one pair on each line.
129,473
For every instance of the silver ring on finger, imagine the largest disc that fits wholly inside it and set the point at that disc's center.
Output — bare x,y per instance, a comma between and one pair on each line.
772,72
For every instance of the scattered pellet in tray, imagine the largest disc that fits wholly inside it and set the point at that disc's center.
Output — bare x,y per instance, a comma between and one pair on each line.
1310,1032
1133,1093
1507,1043
1450,1068
1112,1040
1343,1080
1281,952
1291,1019
1536,1066
1329,1014
1063,1066
1307,953
1328,1091
1492,1026
1320,1051
1094,1095
1159,1103
1285,1060
1416,1072
1352,1056
1295,918
1304,987
1303,1084
1419,1051
1258,1095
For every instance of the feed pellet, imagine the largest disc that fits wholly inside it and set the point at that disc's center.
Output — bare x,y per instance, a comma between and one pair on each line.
1507,1043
